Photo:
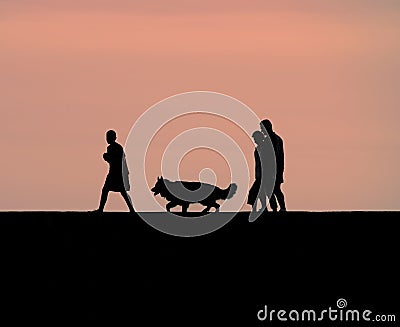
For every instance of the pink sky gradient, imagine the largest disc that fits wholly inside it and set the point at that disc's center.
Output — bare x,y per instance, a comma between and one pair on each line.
327,73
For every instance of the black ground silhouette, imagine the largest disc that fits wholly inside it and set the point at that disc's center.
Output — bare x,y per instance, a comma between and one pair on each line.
77,267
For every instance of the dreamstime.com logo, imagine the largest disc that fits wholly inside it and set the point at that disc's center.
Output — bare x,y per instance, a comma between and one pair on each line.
141,137
338,314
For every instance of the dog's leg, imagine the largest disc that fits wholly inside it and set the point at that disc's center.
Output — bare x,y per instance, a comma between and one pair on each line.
206,209
216,206
185,207
170,205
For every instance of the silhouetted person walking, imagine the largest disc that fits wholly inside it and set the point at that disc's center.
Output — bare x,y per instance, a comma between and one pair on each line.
258,189
117,179
277,143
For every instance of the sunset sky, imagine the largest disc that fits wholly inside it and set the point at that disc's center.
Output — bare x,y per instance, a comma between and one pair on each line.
326,73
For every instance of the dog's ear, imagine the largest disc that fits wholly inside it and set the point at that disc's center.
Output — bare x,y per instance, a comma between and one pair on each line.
158,178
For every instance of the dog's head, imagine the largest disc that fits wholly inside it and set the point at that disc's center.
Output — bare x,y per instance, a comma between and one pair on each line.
159,187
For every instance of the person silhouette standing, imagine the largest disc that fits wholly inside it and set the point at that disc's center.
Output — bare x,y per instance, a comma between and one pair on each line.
117,179
277,143
264,173
258,189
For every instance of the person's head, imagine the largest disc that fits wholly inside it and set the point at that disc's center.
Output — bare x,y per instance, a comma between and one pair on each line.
111,136
266,126
258,137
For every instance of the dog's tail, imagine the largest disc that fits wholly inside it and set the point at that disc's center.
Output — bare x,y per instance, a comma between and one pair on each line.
229,192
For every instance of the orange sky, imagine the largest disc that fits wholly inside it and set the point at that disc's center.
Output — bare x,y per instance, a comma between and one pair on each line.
327,73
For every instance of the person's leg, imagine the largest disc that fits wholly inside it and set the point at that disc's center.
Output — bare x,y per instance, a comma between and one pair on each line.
252,197
103,199
263,200
280,197
254,207
128,200
272,203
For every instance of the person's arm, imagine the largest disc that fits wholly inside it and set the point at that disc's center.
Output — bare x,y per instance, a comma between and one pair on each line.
282,155
258,164
125,169
106,155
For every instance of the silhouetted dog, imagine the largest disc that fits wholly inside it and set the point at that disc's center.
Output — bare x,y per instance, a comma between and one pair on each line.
182,193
